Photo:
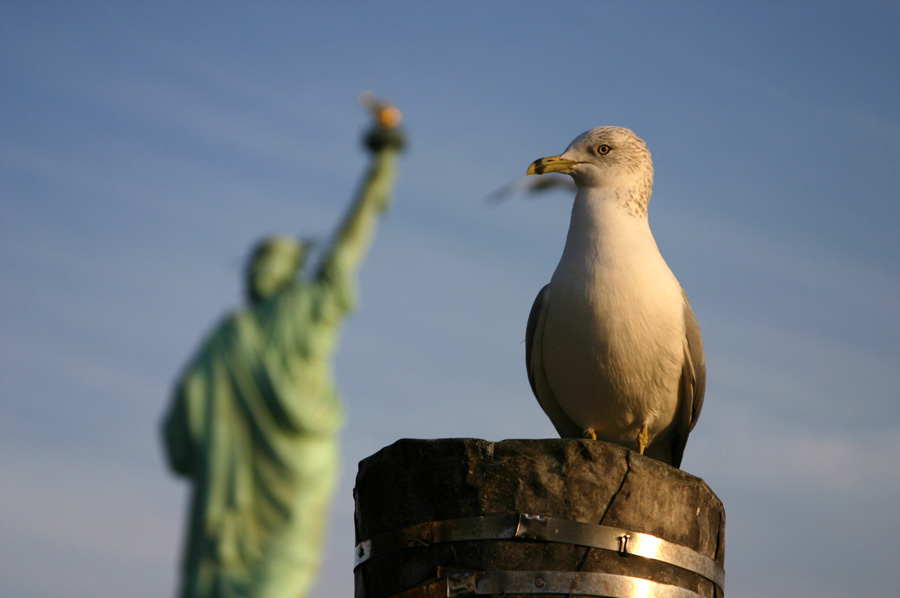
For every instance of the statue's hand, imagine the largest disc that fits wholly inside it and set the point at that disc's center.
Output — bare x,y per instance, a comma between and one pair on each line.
386,132
380,138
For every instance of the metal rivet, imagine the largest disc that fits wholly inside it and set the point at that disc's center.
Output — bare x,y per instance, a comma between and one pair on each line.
539,582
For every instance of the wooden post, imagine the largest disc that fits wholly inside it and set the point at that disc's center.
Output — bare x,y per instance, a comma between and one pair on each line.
459,517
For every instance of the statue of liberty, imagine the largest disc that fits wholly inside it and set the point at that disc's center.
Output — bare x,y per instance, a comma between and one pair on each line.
254,418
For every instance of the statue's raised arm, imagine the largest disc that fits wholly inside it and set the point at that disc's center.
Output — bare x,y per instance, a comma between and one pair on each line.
354,235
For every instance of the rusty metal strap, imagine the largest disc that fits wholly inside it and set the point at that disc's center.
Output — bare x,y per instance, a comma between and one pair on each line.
545,529
480,583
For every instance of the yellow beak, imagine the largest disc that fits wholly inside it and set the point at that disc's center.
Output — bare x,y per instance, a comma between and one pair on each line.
551,164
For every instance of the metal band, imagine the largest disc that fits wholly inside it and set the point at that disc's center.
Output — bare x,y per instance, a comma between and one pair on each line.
546,529
479,583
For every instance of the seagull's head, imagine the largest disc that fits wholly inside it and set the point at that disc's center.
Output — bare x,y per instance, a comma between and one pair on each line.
611,157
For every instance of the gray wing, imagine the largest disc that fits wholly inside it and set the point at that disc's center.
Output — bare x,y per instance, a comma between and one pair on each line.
533,185
534,364
693,382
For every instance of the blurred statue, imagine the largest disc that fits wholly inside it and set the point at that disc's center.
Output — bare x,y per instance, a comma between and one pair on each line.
254,418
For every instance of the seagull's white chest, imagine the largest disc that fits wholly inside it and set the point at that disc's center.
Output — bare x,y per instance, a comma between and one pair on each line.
613,340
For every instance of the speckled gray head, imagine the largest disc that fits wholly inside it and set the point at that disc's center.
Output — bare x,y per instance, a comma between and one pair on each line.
605,157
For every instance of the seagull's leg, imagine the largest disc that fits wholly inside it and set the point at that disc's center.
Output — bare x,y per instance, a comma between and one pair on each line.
643,438
590,434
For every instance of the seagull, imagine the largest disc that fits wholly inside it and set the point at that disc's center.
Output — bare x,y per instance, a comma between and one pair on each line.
613,350
532,186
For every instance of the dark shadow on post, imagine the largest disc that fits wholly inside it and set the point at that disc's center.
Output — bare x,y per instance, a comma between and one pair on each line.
556,517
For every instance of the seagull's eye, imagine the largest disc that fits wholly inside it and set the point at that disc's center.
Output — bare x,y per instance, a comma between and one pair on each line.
603,149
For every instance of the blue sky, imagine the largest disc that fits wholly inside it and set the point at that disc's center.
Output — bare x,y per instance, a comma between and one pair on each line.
145,147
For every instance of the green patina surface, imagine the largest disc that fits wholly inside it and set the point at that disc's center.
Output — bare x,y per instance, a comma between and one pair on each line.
254,418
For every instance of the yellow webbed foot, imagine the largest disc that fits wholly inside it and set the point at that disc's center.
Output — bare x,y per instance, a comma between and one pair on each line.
643,438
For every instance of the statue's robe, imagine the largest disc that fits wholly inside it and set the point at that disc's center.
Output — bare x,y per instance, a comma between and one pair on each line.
253,424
